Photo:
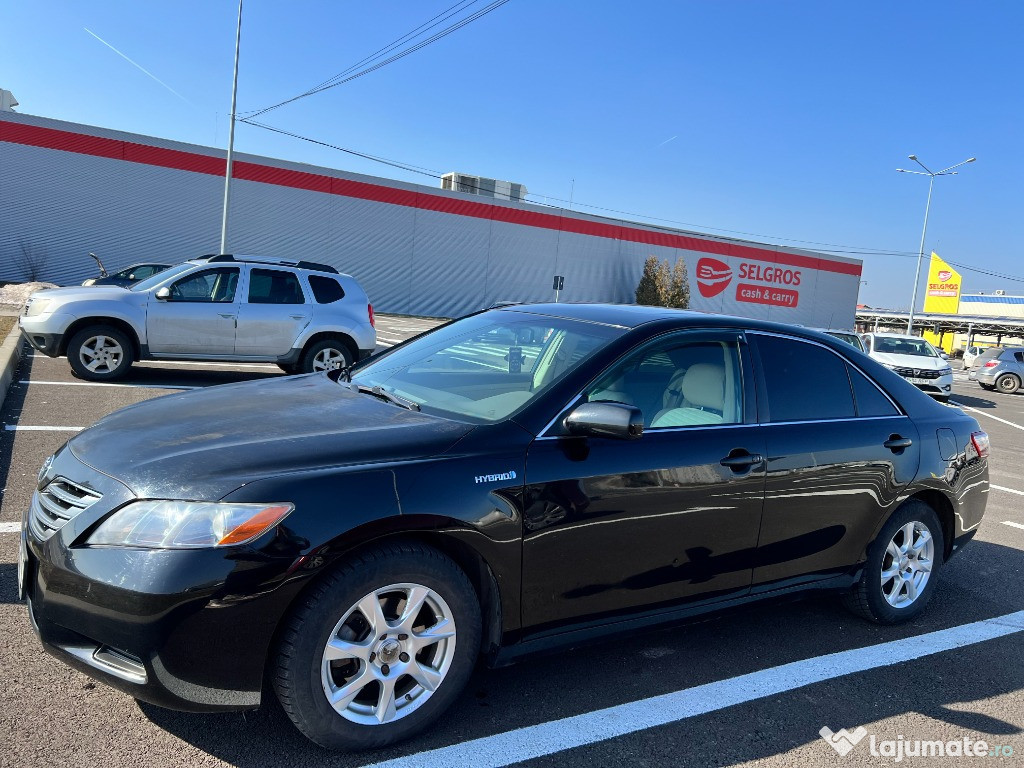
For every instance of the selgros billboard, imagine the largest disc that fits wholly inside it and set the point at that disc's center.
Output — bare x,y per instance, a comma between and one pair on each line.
943,293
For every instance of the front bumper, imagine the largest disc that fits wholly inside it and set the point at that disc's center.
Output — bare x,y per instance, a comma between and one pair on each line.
183,629
941,387
44,332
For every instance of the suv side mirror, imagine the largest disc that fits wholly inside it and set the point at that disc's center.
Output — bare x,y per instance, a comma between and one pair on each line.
616,420
164,293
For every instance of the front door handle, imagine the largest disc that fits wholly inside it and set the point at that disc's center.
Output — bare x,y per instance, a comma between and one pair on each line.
298,317
227,315
897,443
741,461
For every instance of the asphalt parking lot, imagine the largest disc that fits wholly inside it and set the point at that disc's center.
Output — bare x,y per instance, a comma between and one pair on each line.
750,687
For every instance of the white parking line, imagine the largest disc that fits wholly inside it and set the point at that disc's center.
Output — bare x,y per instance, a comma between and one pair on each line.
106,384
989,415
547,738
200,363
1013,525
10,527
19,428
1006,490
383,344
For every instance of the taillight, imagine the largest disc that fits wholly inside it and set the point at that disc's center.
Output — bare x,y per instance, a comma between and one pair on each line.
369,310
991,364
980,442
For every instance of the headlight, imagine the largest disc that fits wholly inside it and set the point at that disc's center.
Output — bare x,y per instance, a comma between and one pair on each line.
890,367
37,307
947,371
90,281
167,524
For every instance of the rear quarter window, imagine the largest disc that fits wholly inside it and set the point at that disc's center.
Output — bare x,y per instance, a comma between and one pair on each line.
326,290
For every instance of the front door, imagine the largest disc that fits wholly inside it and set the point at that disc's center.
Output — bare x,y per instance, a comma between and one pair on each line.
615,525
198,316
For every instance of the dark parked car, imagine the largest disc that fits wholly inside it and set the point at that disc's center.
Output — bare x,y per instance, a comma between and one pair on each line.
125,277
520,479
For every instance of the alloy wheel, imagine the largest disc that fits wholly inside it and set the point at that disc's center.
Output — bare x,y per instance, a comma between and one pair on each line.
907,564
101,354
329,360
388,654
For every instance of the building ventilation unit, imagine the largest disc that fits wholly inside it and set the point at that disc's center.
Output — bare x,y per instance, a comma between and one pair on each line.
479,185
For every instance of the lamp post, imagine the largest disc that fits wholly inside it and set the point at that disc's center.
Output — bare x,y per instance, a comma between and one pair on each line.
231,139
920,256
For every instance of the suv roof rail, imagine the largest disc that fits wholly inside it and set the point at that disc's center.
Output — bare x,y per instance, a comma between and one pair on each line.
311,265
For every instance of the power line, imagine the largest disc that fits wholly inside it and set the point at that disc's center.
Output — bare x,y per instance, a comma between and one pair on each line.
435,174
349,75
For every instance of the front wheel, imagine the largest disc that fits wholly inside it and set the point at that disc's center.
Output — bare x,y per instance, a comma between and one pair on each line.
379,649
327,355
902,567
100,353
1008,384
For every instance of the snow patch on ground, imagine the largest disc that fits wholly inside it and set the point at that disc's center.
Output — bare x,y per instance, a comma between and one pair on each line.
16,295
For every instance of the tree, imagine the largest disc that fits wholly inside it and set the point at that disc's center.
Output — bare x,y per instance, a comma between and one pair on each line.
678,293
32,260
648,290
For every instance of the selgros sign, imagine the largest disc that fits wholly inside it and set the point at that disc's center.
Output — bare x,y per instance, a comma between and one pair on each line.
943,293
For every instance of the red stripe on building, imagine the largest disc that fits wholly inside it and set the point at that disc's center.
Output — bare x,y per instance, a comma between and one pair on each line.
117,149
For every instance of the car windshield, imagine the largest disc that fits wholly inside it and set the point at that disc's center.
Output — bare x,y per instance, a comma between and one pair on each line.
485,367
897,346
159,277
850,338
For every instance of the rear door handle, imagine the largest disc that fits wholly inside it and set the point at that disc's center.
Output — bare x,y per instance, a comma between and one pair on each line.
897,443
743,461
227,315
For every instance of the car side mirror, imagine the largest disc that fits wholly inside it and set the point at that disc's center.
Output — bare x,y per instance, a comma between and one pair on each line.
164,293
943,355
615,420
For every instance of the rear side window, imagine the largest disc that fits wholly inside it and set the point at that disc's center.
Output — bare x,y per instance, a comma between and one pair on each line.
326,290
870,402
274,286
805,382
1019,357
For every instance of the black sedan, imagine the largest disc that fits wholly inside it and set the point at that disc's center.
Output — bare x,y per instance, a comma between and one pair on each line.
127,276
523,478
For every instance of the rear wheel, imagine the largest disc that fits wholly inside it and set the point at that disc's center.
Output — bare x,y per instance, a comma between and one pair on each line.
1008,383
326,355
379,649
902,567
100,353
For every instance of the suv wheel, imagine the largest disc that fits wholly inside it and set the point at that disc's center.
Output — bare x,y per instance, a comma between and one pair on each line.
100,353
326,355
902,567
1007,383
379,649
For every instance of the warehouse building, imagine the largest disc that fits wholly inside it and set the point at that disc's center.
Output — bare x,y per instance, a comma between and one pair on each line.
67,189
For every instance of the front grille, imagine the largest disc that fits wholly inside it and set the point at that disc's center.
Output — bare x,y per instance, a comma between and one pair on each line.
57,503
917,373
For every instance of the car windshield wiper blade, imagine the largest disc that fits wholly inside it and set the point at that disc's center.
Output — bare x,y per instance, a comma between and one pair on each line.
390,397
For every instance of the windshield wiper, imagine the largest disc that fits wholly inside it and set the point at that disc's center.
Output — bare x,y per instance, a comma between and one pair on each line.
390,397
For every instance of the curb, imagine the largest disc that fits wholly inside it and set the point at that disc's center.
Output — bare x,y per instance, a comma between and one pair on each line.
10,356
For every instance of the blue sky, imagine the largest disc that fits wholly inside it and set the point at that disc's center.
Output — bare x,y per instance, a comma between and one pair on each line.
784,121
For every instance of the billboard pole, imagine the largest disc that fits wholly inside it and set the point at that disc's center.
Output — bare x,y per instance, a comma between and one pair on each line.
924,230
231,139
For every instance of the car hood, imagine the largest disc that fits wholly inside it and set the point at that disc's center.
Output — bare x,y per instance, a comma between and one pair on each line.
79,292
206,443
911,361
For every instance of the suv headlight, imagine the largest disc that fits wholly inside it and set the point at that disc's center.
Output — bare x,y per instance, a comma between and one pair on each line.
168,524
37,307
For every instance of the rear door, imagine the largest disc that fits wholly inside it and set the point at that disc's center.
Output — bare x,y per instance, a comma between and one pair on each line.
198,317
839,453
273,314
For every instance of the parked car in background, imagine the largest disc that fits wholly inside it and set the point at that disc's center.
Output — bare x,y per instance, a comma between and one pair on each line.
914,359
301,315
850,337
514,481
982,355
126,276
1003,371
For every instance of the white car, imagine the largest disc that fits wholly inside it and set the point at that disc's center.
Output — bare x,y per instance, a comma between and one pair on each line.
914,359
301,315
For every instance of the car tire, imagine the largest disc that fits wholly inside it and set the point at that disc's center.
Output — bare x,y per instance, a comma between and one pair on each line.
356,616
100,353
1008,383
326,355
884,594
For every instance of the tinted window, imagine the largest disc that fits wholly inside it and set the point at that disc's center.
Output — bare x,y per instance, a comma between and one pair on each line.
326,289
805,382
274,286
870,402
677,383
1019,357
215,285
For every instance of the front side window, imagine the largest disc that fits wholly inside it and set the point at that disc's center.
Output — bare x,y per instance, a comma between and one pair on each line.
211,285
804,382
274,286
485,367
677,383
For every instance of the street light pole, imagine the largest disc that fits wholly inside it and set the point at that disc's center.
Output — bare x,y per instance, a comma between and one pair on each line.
924,230
231,139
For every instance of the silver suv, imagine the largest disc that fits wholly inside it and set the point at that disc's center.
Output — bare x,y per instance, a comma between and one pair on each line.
303,316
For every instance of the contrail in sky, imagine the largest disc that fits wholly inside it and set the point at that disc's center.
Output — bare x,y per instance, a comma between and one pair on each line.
137,66
666,141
